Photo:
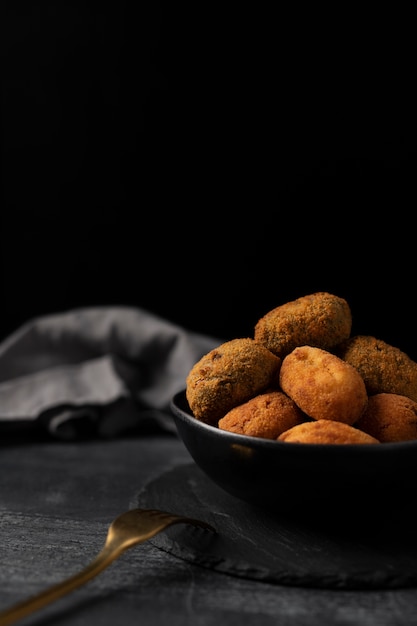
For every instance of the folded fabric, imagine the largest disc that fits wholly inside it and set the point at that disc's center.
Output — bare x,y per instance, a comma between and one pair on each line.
95,371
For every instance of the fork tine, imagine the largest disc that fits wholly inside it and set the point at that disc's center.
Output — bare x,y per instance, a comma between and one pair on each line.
168,518
128,529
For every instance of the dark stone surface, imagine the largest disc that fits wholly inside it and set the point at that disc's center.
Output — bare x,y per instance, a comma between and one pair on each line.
57,500
306,550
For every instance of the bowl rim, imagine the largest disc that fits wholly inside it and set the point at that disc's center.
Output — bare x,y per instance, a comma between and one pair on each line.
181,410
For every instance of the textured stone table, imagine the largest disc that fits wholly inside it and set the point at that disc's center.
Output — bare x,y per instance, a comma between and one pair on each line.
56,502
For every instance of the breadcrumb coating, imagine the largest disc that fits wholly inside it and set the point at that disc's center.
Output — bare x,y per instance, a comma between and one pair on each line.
328,432
229,375
267,415
320,319
384,368
323,385
390,417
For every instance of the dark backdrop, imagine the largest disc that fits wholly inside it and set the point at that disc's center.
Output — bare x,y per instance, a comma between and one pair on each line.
207,163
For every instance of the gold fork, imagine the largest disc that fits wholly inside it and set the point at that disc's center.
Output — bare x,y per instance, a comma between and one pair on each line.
127,530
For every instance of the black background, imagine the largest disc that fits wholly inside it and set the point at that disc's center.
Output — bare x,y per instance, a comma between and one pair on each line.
208,162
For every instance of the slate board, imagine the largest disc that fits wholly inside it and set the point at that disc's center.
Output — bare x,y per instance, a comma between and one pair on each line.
304,550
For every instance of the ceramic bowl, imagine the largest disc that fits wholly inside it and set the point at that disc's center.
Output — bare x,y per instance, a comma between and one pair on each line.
292,476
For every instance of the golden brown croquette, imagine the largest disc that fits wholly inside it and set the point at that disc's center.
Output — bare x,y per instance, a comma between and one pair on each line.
321,319
384,368
323,385
390,417
229,375
266,415
326,431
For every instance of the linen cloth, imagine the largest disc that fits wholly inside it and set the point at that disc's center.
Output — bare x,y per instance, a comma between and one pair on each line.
98,371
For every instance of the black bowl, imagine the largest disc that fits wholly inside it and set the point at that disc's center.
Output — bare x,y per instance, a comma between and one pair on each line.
357,479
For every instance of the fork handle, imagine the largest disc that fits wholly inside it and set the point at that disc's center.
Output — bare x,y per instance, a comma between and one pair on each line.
22,609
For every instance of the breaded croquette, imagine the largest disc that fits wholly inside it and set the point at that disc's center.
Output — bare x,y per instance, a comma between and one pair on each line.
384,368
267,415
229,375
326,431
390,417
323,385
321,319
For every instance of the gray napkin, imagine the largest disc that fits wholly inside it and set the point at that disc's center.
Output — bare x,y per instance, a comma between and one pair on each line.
95,371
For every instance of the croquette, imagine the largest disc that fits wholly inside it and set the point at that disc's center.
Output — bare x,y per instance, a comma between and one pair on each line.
229,375
321,319
327,432
266,415
383,367
322,385
390,417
